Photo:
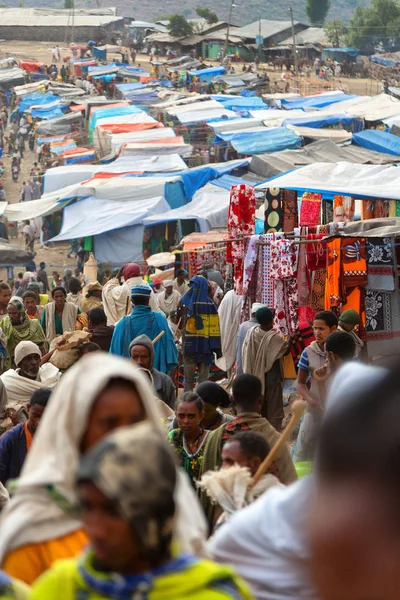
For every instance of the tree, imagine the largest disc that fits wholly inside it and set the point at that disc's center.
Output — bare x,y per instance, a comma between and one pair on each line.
335,32
179,27
373,25
317,11
208,15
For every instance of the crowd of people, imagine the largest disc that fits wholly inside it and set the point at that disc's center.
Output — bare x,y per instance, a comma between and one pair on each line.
128,473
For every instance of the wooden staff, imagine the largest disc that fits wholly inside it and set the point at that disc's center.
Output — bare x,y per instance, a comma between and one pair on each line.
158,337
298,409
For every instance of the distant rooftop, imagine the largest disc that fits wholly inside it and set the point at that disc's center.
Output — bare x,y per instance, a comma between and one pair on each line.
268,28
312,35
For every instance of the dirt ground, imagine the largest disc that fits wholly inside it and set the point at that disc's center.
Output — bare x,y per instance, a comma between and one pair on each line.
56,257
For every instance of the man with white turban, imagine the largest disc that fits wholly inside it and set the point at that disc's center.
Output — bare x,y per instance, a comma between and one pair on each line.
20,383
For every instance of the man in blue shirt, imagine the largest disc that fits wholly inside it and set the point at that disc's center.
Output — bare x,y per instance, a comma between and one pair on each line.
143,320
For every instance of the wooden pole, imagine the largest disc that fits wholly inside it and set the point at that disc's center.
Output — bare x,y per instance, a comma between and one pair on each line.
158,337
298,409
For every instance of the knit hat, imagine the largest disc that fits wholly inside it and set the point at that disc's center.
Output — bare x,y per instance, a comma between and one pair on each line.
350,316
141,290
157,281
256,306
23,350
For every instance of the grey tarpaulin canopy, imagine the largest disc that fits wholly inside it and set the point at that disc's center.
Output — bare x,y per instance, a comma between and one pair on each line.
14,256
59,126
323,151
386,227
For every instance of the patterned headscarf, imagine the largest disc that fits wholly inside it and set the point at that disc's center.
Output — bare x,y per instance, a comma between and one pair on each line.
142,489
19,305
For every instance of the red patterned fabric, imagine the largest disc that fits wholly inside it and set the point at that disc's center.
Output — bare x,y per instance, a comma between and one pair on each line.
241,223
310,209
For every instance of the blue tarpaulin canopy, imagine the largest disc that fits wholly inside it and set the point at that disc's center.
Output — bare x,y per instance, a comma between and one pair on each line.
47,113
208,73
272,140
240,103
319,101
127,87
377,140
386,62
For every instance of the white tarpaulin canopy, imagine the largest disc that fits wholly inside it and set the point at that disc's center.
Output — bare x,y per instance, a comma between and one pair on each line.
196,106
155,149
99,130
93,216
205,115
209,207
114,141
336,135
60,177
361,181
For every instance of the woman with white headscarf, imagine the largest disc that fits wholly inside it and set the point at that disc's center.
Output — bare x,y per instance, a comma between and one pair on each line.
98,395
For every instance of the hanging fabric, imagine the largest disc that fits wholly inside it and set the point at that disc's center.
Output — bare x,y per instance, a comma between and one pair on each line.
327,212
283,271
374,209
343,209
273,215
354,262
290,210
310,208
333,289
380,264
241,223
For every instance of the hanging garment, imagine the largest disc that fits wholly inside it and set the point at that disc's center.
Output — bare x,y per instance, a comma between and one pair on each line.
310,208
241,223
273,211
327,212
290,210
333,289
343,209
315,251
303,281
282,259
374,209
380,264
354,262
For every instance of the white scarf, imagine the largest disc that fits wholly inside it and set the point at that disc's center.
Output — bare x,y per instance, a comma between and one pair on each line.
229,322
20,389
69,316
168,303
32,516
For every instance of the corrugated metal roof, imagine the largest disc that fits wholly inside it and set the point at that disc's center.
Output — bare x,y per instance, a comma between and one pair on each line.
312,35
268,28
36,17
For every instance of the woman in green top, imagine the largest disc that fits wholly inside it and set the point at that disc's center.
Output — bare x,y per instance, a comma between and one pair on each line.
18,327
59,316
128,507
190,439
